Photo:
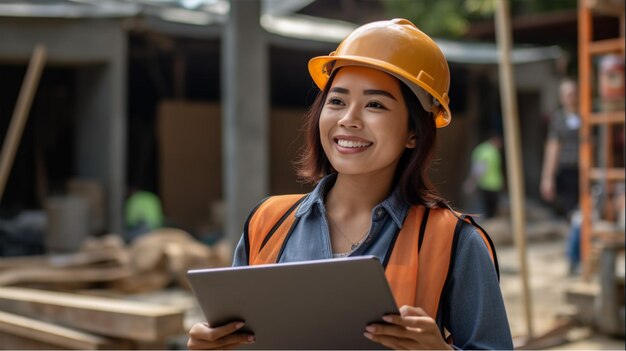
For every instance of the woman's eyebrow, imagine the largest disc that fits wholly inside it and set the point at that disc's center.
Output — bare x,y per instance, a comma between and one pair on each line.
340,90
378,92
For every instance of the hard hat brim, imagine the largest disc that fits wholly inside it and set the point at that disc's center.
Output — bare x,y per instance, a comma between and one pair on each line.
318,69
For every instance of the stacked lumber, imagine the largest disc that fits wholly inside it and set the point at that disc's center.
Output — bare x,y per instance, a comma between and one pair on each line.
47,319
151,262
43,304
19,333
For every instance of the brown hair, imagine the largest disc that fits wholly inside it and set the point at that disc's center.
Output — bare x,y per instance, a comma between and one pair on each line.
412,171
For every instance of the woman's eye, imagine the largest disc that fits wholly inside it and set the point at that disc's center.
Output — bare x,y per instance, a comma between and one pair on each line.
334,101
375,104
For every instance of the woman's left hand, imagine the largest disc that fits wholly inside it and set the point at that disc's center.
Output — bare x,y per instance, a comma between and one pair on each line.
413,329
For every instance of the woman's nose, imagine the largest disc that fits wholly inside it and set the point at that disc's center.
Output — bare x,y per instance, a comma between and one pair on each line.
351,119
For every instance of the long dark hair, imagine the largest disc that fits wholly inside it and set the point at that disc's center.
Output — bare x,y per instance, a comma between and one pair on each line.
411,175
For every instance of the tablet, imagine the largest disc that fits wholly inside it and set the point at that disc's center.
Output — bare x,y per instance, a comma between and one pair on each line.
322,304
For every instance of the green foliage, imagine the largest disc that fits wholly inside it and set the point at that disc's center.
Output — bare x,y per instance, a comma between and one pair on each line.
451,18
538,6
434,17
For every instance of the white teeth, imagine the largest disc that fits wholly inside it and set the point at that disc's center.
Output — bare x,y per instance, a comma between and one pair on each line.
352,143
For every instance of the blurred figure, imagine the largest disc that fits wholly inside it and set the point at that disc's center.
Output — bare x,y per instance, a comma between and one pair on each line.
486,173
143,214
559,177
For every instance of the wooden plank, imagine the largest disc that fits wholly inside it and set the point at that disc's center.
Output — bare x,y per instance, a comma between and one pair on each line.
585,35
606,173
553,337
20,276
18,332
111,317
606,46
20,114
604,7
66,260
610,117
513,150
15,342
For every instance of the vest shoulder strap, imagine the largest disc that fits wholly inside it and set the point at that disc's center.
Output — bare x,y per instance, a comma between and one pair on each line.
423,255
418,266
267,227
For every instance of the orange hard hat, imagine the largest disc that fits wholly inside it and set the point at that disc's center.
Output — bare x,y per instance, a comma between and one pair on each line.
399,48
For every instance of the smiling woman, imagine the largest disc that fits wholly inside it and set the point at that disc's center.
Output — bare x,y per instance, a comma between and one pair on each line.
364,124
370,135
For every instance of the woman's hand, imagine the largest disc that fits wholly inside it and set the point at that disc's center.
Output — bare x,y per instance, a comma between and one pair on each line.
413,329
203,337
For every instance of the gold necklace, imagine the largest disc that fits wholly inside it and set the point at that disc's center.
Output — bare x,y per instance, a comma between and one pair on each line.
353,245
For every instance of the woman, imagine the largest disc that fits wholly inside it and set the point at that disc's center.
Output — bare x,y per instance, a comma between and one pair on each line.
370,136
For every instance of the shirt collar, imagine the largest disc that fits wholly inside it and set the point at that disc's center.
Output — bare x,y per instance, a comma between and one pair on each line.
316,197
394,204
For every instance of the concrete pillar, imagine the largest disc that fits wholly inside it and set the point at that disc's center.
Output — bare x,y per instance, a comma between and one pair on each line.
245,141
101,124
101,136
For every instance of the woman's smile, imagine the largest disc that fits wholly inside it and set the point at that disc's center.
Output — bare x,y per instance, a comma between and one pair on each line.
351,144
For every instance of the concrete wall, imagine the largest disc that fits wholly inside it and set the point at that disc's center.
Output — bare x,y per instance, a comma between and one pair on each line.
97,48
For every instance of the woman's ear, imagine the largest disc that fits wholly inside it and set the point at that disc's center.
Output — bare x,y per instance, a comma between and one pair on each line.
412,142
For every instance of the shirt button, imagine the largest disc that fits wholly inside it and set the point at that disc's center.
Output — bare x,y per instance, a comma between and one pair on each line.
379,213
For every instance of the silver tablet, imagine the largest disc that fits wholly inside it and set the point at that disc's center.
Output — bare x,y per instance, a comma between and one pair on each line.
322,304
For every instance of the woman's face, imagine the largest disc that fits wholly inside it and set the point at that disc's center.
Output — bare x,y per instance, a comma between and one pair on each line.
364,125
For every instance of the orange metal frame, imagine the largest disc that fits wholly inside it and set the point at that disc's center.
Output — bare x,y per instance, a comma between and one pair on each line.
587,48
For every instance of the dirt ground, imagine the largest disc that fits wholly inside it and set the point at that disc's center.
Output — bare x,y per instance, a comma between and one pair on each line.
547,269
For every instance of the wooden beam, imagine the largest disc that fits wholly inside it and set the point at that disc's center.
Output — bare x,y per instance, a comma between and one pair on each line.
110,317
85,258
600,47
596,173
513,150
20,114
43,275
19,333
607,117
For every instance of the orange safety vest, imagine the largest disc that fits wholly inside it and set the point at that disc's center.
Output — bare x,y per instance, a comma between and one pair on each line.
417,268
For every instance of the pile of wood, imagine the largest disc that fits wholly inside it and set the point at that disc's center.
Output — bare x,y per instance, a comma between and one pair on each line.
43,304
152,262
41,319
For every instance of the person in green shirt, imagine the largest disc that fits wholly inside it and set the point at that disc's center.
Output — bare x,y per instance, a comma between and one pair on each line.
143,213
486,173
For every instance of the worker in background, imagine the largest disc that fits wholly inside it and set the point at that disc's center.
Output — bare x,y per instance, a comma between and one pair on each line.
559,177
370,136
486,173
143,213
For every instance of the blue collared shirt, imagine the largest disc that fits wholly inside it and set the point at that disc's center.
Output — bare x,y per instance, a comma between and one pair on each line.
472,308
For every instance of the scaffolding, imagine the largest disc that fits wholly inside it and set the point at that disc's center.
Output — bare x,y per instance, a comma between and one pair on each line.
601,163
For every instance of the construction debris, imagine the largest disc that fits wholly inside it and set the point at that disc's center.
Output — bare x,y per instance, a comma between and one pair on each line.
19,333
152,262
35,315
105,316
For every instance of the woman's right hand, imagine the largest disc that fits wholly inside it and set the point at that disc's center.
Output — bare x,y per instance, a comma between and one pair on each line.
203,337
